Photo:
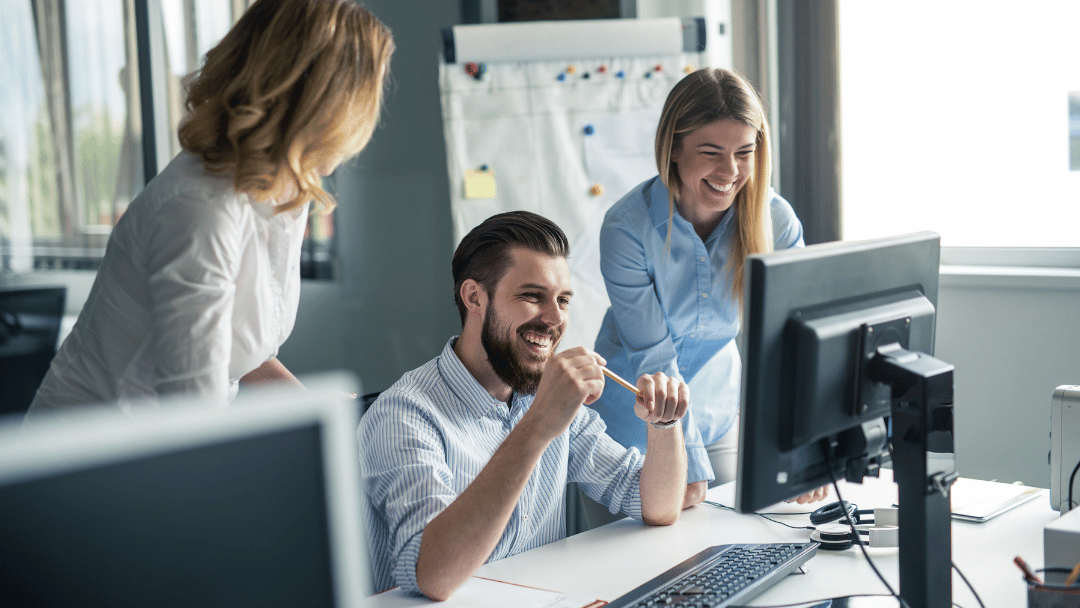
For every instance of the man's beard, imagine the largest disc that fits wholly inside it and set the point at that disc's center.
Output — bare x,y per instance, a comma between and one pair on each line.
504,358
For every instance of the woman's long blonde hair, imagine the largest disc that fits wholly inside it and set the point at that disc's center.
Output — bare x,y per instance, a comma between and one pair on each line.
701,98
294,85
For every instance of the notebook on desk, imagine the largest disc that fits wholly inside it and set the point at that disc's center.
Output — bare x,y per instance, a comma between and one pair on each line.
978,501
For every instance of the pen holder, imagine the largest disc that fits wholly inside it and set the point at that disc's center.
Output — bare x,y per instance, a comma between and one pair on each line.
1053,596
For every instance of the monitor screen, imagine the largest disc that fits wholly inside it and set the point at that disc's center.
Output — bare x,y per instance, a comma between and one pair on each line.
257,505
813,320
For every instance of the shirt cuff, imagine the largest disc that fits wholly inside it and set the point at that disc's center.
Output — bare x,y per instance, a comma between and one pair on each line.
698,467
405,569
632,505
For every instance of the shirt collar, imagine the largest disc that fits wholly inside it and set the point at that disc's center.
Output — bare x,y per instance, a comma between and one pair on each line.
657,200
472,398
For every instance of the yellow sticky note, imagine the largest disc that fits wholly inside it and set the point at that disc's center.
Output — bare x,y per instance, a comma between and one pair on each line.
479,184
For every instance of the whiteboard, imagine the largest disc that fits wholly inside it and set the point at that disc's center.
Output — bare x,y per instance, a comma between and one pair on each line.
562,137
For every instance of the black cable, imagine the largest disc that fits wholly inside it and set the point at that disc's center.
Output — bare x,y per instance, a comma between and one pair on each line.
1072,479
858,541
723,506
763,515
973,592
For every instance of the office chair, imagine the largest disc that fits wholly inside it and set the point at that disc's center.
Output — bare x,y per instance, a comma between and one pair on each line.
367,400
30,321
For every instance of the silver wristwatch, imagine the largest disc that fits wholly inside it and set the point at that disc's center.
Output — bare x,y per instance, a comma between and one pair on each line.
665,425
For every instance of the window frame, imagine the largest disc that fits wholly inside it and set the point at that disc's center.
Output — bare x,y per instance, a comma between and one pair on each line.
152,109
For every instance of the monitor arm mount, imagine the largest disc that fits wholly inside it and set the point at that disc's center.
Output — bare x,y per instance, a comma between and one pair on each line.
922,423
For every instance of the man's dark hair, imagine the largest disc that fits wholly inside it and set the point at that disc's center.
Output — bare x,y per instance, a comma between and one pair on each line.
484,254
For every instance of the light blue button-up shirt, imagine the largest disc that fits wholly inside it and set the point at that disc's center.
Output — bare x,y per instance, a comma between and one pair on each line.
673,311
428,436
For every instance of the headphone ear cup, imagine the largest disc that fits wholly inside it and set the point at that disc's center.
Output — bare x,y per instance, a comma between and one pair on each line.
834,537
834,511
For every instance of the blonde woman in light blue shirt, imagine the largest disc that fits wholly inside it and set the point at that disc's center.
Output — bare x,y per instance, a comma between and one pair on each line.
672,253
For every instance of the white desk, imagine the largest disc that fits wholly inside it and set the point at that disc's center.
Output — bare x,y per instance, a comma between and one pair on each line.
606,562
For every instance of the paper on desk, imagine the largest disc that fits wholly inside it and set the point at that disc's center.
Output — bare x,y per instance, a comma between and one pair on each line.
978,500
485,593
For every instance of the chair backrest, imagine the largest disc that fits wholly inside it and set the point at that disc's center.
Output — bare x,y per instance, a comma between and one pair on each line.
367,400
30,320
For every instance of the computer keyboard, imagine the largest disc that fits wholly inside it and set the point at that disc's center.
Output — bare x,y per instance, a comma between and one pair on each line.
724,575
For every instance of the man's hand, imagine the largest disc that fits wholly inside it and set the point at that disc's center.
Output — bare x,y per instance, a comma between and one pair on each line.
571,378
663,477
662,398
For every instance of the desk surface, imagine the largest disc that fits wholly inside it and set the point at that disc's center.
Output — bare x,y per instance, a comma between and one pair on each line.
606,562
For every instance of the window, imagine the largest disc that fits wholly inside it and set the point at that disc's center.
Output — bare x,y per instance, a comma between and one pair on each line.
956,118
71,132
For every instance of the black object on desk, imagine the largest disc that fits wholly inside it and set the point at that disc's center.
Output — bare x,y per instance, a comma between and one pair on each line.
724,575
839,377
29,327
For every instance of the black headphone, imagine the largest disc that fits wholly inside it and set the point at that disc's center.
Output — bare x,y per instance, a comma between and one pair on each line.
834,511
833,532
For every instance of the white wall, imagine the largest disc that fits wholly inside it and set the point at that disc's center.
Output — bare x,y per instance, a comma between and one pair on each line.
1013,340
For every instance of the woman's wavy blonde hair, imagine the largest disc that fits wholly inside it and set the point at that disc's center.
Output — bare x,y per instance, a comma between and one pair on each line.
295,85
701,98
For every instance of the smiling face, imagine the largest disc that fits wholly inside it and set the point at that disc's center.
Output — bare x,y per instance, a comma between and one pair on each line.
714,163
526,316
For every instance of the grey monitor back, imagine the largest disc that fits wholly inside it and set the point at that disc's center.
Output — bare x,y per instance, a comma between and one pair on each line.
257,504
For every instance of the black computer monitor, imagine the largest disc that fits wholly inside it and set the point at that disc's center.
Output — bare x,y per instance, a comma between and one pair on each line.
30,320
838,380
254,505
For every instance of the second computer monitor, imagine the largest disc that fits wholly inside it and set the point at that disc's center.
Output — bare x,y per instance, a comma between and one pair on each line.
813,320
253,505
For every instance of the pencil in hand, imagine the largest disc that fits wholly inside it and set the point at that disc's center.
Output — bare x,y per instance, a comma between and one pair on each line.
621,382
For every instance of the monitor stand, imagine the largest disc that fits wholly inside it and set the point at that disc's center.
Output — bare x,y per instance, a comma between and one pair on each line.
922,423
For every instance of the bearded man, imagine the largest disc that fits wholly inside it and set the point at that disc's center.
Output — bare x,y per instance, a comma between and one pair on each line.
466,459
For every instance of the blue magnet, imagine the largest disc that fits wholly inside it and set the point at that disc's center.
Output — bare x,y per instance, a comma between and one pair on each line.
589,130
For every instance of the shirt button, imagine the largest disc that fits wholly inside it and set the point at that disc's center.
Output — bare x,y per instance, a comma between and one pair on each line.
682,368
693,335
704,295
702,258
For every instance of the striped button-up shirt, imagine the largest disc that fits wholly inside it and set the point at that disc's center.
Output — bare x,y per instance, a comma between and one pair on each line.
428,436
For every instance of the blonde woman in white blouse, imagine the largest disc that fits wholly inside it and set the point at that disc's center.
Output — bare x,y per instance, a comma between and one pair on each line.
200,281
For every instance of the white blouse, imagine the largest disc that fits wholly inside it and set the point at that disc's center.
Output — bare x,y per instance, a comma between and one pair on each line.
199,286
